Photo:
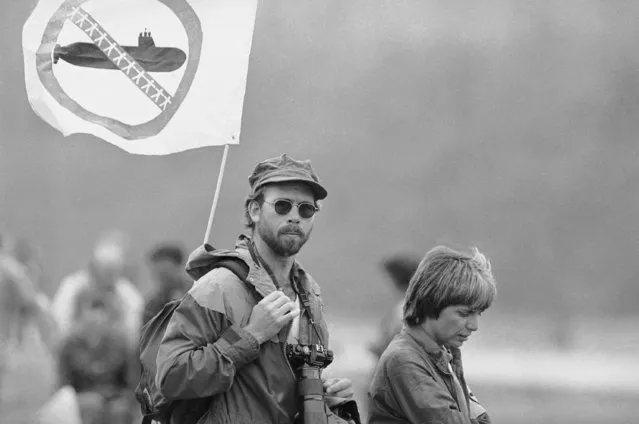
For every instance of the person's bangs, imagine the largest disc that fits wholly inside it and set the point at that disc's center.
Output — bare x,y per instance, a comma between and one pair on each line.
477,293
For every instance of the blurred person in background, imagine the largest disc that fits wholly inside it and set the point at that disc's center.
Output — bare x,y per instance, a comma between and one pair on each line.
170,280
101,285
96,361
399,268
99,312
419,377
22,303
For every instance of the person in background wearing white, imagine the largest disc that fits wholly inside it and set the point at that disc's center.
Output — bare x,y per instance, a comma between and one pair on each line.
101,284
99,313
22,304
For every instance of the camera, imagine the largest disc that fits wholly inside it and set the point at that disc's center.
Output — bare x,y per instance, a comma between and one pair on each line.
312,355
307,362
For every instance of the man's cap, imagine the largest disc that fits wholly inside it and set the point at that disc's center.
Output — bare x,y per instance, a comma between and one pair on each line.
284,169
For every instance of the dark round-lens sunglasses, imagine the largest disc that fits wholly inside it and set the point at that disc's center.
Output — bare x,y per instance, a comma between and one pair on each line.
284,206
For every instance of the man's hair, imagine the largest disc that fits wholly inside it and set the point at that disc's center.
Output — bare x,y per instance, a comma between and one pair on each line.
446,277
256,196
170,251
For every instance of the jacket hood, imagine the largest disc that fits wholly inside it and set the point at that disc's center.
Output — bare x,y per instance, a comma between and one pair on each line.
202,260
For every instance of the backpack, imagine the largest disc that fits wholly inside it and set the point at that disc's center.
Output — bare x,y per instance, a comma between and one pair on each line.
155,407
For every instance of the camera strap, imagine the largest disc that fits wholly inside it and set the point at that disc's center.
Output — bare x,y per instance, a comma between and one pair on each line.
297,287
257,258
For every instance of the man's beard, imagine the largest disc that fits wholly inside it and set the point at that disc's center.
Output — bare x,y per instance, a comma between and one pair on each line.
282,244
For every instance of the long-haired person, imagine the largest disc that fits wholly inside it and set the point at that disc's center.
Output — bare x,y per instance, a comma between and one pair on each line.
419,377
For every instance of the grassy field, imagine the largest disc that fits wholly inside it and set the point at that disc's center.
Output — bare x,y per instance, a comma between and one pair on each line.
28,386
528,405
520,378
522,405
512,396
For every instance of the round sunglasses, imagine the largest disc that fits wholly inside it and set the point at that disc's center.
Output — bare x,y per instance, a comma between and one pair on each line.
284,206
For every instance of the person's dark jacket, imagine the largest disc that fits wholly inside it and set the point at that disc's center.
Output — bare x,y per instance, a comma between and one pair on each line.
96,357
206,352
161,297
413,384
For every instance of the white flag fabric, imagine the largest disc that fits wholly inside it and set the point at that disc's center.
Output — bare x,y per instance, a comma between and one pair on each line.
152,77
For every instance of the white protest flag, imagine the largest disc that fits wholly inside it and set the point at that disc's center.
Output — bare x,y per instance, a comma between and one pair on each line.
152,77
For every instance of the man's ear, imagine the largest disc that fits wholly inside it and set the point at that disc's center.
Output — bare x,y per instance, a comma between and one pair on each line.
254,209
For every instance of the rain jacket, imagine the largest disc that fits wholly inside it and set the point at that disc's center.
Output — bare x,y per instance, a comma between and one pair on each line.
413,383
206,352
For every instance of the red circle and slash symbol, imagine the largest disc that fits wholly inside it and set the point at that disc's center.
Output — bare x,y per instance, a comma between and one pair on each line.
134,62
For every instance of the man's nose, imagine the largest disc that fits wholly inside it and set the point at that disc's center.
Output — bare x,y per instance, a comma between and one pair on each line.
473,322
294,215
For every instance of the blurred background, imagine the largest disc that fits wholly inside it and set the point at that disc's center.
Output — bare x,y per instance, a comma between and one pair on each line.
510,126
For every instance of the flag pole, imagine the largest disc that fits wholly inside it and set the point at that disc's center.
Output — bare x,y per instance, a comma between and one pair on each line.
216,196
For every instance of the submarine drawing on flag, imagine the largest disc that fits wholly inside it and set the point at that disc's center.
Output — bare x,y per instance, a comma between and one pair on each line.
150,57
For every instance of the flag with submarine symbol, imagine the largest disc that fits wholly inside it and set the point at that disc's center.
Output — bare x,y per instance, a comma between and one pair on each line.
149,76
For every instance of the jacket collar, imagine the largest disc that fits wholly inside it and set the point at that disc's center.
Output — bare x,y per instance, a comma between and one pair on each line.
441,356
204,257
258,276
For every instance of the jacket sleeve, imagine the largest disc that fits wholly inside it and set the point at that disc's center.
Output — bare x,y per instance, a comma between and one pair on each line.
64,302
478,413
201,349
421,398
482,419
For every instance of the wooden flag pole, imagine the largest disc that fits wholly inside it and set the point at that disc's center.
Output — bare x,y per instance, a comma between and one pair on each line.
216,196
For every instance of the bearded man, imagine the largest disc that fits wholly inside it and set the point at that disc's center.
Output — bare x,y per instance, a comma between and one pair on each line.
227,341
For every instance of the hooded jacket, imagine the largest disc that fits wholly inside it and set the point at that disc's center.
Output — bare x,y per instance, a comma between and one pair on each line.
206,352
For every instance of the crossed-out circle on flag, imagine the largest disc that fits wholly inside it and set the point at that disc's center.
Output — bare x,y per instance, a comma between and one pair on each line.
133,90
